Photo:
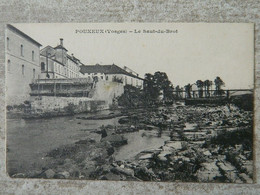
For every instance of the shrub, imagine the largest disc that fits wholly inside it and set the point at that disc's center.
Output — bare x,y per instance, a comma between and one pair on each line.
9,108
70,108
93,106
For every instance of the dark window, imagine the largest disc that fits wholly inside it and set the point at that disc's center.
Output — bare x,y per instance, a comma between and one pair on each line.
34,73
21,50
9,65
42,66
8,42
101,77
32,55
22,69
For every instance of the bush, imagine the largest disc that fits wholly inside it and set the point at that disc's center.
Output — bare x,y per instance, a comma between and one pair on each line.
70,108
9,108
132,97
118,80
93,106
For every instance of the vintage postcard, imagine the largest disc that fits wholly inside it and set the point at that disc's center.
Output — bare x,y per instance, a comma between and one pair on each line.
130,101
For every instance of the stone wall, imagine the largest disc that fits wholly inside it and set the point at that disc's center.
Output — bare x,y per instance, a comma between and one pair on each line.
66,104
107,91
102,97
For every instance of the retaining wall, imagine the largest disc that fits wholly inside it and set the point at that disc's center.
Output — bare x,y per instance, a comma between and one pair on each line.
102,98
66,104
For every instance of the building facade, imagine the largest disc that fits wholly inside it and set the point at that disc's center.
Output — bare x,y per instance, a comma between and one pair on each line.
22,55
111,73
57,63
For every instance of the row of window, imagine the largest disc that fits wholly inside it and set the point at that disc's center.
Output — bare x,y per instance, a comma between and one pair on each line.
61,70
71,74
9,68
21,48
106,77
101,77
72,66
96,73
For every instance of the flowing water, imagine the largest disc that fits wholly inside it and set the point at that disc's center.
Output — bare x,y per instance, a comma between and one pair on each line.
138,142
28,141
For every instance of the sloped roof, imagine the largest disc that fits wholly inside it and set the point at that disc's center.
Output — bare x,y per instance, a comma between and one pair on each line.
73,58
11,27
60,47
48,49
106,69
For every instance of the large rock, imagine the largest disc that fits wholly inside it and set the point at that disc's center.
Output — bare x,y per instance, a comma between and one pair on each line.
86,141
144,174
125,171
208,172
19,175
146,156
111,177
110,151
124,120
62,175
115,140
48,174
162,155
245,178
177,145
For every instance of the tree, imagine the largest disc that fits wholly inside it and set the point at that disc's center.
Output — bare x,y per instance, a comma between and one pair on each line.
199,84
188,90
162,82
207,84
178,91
218,84
150,90
156,84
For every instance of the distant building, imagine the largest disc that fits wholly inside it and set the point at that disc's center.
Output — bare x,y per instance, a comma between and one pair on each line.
22,64
111,73
57,63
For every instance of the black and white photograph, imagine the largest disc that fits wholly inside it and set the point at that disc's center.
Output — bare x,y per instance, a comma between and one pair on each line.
162,102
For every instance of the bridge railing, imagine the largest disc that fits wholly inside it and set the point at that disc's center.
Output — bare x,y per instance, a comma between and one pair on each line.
182,94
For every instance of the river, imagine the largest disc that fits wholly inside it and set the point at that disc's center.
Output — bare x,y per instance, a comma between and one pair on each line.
28,141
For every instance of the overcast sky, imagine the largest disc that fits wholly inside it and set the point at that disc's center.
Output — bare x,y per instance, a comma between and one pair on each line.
196,51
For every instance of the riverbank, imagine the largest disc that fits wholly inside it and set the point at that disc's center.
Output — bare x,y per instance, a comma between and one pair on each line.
191,149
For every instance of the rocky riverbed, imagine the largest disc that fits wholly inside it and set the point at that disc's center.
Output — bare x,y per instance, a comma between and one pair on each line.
201,144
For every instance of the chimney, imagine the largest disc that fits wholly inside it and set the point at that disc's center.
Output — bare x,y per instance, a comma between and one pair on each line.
61,41
72,55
